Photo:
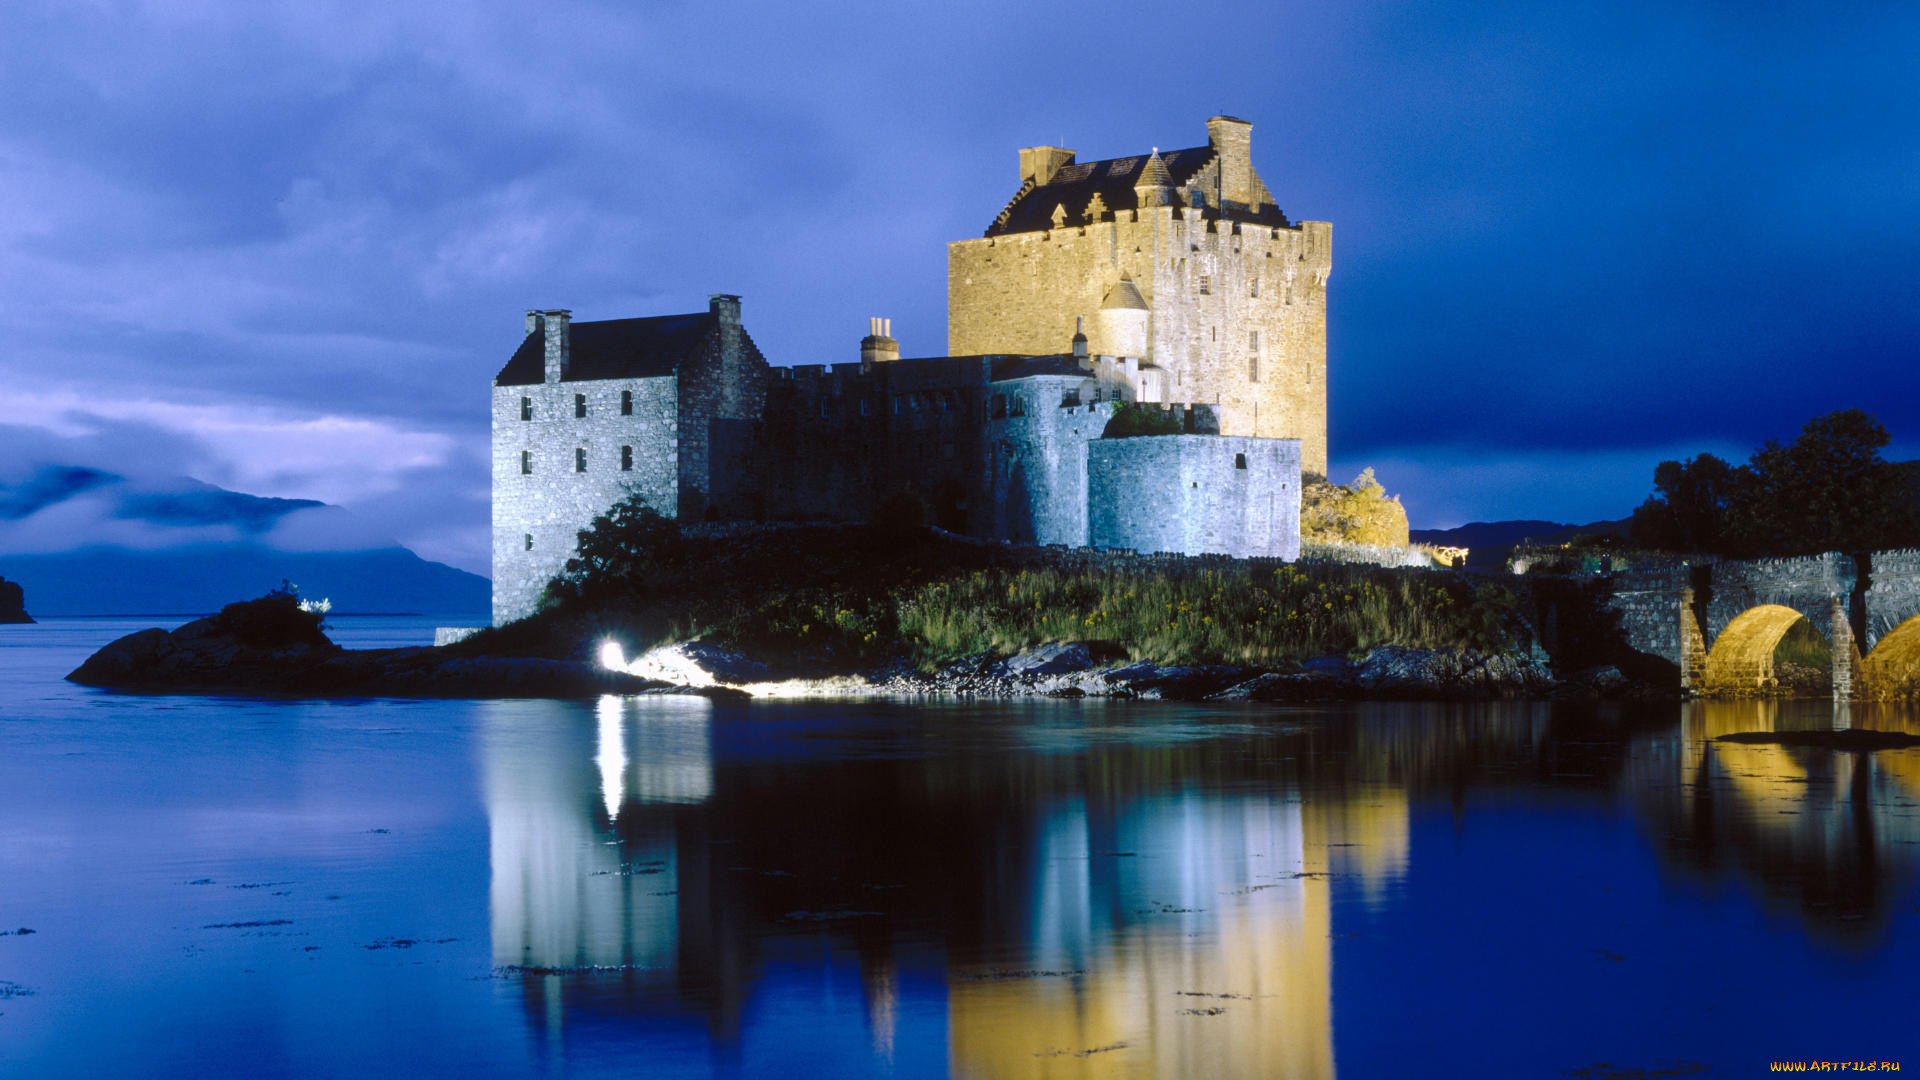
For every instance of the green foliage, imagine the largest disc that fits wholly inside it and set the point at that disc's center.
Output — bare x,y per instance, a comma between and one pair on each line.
273,621
624,554
1233,616
1828,490
1357,513
1805,645
1130,420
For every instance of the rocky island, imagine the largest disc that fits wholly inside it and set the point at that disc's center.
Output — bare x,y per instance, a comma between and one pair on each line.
13,603
865,609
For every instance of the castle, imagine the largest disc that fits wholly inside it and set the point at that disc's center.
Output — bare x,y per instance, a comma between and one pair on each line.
1176,284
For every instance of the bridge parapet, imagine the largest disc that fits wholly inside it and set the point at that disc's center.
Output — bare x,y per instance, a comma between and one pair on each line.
1806,584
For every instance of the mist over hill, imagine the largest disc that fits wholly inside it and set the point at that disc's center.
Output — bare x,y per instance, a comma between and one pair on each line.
83,541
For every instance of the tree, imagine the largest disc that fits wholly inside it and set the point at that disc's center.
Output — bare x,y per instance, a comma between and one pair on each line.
1693,507
1828,490
626,552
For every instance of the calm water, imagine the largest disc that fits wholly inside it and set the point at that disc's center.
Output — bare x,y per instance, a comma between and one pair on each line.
236,887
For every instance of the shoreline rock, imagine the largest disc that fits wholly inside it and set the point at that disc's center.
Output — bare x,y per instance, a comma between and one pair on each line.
201,658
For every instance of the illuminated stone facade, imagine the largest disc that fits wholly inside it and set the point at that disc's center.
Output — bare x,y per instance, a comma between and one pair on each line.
1181,259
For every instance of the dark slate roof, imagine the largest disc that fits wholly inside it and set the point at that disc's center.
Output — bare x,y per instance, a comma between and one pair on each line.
1026,367
613,349
1074,186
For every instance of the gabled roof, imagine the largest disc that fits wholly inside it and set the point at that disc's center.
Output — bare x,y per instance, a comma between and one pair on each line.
613,349
1074,186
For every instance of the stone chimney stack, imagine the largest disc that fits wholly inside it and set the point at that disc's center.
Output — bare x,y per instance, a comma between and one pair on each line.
1080,343
1039,163
878,346
555,323
1232,141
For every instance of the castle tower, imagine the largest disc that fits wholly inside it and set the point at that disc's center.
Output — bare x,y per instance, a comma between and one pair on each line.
1232,294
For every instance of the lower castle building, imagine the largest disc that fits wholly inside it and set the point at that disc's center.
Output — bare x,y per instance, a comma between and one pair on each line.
1003,442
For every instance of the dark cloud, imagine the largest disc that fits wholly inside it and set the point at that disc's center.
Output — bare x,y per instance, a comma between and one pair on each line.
1569,238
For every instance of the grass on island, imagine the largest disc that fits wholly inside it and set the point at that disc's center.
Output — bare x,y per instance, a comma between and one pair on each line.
849,596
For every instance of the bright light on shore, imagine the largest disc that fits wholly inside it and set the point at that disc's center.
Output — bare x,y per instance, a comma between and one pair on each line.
612,656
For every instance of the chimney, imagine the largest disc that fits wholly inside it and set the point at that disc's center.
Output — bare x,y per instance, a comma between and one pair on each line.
878,346
554,322
1080,343
1039,163
1232,142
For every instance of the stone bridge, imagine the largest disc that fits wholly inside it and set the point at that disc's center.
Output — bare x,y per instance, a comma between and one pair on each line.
1719,623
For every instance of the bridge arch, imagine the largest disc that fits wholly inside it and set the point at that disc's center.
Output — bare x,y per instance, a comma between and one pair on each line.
1742,654
1894,664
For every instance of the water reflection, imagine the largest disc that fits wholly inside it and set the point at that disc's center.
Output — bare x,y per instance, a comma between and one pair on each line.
1831,838
1088,889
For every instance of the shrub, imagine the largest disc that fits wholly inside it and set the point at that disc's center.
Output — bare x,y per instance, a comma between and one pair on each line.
626,552
273,621
1130,420
1358,513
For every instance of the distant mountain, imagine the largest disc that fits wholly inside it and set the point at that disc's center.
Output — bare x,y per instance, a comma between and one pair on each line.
82,541
1487,542
198,581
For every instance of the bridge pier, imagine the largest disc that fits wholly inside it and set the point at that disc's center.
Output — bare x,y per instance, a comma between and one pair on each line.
1846,654
1693,647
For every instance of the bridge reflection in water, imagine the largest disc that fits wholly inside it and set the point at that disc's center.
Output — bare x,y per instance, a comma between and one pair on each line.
1080,889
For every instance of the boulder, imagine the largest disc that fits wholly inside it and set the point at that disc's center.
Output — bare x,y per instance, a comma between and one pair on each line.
697,663
1052,658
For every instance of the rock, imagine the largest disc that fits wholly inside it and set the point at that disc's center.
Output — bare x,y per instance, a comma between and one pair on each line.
1053,658
1278,686
697,663
124,661
1397,671
13,603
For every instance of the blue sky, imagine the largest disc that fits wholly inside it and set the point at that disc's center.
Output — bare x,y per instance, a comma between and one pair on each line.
282,248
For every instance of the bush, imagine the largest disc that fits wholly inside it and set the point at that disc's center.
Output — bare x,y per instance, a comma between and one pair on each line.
1130,420
1358,513
273,621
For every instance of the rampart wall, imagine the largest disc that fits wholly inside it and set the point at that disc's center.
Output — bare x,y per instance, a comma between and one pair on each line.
1195,494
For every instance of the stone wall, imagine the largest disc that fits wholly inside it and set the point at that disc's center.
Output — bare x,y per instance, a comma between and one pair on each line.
1195,494
1035,469
1893,595
1238,312
1649,604
1804,584
537,514
722,399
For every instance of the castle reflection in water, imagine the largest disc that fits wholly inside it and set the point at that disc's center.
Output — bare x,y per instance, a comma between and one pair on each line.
1083,889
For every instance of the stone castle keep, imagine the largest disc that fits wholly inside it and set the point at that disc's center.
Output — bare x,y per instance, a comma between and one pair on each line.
1172,283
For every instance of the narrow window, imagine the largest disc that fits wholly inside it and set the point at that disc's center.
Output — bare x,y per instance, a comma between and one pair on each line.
579,405
1253,288
626,459
826,409
526,408
1239,461
580,460
1253,367
897,406
1289,296
1253,339
526,463
1206,285
999,406
866,407
626,403
529,541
